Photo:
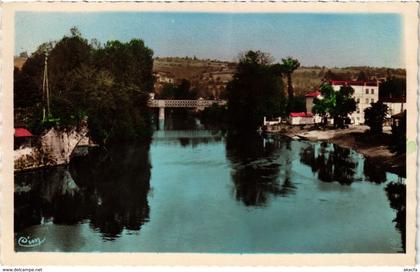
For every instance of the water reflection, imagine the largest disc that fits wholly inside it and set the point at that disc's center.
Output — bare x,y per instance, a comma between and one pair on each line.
396,192
374,171
256,167
331,162
206,176
109,187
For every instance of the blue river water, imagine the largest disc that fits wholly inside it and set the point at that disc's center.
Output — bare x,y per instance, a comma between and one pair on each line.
208,191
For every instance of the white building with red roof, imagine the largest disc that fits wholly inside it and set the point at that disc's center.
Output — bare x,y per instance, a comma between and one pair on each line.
301,118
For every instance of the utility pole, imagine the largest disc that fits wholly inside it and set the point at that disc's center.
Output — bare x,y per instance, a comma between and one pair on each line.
45,89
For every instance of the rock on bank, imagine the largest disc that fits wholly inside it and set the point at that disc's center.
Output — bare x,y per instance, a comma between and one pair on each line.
55,147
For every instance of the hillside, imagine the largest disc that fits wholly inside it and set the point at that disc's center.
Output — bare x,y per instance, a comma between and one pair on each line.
211,75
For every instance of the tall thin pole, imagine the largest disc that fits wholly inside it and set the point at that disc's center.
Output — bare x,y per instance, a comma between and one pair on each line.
45,87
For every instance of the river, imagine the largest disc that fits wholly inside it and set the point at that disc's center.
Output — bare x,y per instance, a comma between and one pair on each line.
208,191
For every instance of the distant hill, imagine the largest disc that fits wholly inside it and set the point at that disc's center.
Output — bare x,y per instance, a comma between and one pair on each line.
203,74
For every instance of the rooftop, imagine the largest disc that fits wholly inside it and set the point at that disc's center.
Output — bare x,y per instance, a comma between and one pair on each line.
301,114
313,94
22,132
353,83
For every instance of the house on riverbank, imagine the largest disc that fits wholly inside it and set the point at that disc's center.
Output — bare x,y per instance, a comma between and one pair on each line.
301,118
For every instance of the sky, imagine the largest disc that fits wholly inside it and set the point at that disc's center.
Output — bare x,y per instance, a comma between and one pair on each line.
323,39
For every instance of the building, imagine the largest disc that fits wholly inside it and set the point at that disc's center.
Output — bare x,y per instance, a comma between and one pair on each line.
23,138
395,104
365,93
162,78
309,99
301,118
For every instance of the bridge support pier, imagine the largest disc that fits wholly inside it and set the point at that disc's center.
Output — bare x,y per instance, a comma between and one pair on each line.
161,113
161,120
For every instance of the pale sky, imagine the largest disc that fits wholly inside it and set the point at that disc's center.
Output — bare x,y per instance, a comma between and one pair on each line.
313,38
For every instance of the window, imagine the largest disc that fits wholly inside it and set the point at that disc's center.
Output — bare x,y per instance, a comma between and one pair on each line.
358,111
358,100
358,118
367,100
372,91
371,100
367,91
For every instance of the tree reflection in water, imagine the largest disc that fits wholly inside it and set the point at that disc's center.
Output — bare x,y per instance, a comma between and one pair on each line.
331,162
107,187
396,192
256,168
374,171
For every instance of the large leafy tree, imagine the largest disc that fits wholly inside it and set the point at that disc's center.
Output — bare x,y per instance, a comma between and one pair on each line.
130,63
255,91
375,116
344,105
324,105
337,105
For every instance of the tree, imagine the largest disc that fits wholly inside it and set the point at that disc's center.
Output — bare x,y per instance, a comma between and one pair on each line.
337,105
255,91
393,87
375,116
399,133
181,91
130,62
325,105
289,66
362,76
344,105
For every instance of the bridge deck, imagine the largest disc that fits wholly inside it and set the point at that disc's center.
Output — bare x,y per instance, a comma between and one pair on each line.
163,103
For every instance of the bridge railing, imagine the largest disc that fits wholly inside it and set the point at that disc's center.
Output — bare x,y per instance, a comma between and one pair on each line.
172,103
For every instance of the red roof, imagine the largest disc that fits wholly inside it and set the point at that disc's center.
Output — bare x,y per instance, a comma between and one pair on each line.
313,94
354,83
22,132
301,114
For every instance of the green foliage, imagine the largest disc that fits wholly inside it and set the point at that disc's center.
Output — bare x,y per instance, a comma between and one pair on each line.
344,105
289,65
375,116
130,63
393,87
181,91
399,134
326,103
255,91
214,115
108,84
335,104
362,76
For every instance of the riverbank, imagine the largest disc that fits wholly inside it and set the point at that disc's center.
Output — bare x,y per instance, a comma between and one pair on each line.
373,147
